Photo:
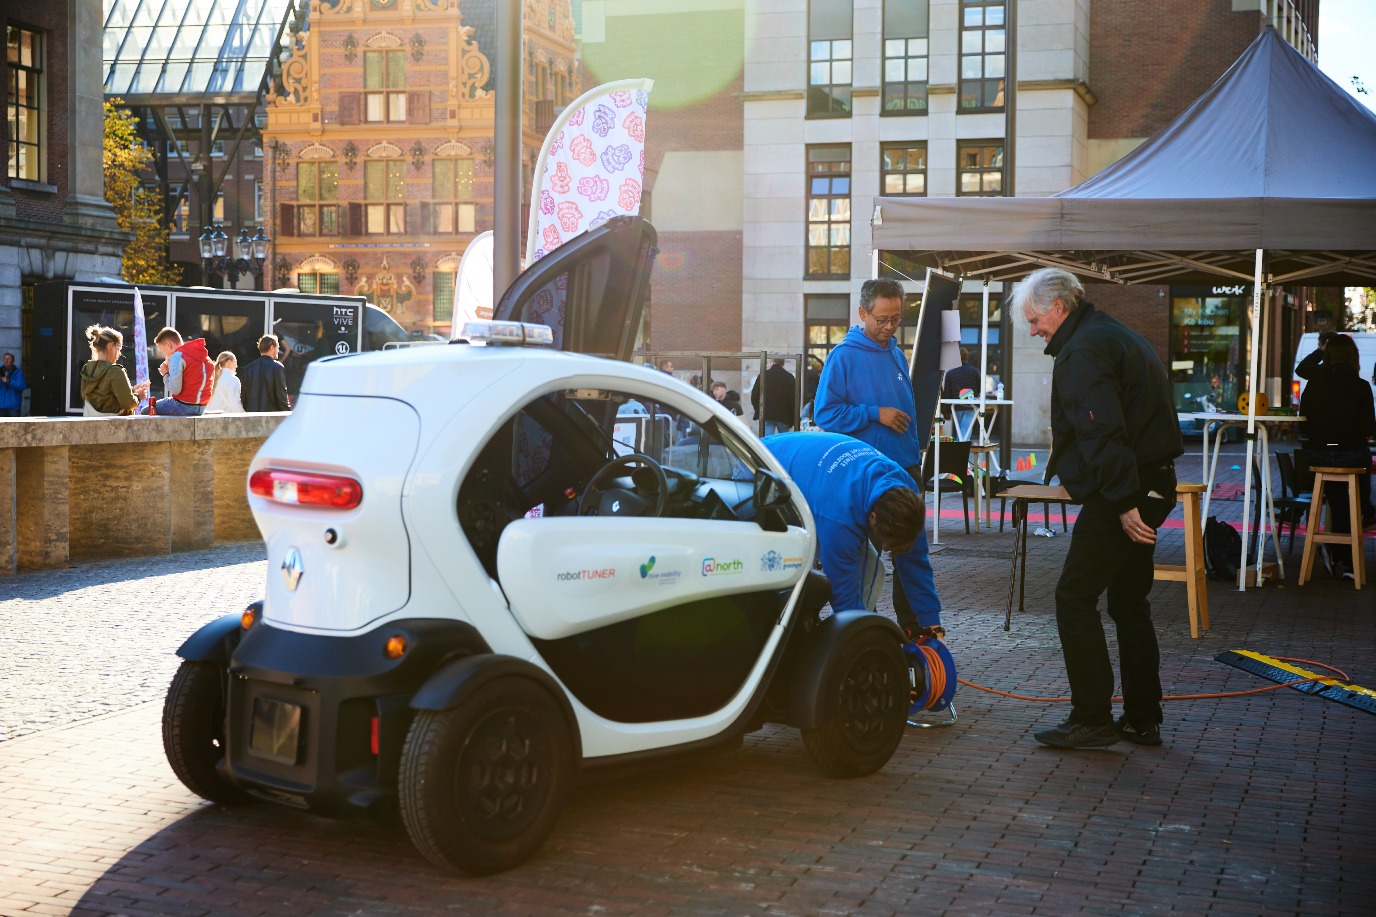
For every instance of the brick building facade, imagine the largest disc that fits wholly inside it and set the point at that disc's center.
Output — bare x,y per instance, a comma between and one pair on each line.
54,220
379,139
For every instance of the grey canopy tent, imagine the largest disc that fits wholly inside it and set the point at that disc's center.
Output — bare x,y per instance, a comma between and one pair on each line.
1266,178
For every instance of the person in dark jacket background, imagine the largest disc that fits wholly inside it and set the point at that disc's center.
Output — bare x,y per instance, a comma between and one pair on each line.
1115,437
265,380
780,392
1306,368
1337,407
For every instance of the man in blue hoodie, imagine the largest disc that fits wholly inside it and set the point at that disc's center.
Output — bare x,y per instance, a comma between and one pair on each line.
857,495
865,390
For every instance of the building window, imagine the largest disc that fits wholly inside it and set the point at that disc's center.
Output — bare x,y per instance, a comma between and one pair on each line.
830,53
217,149
979,165
452,185
384,192
317,190
24,55
982,45
257,202
179,200
317,283
904,169
828,319
905,57
828,211
443,285
217,210
384,86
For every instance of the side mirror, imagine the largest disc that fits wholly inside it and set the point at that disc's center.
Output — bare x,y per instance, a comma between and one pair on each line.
770,492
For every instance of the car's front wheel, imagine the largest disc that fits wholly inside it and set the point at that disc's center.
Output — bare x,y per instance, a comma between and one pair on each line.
482,783
193,730
865,706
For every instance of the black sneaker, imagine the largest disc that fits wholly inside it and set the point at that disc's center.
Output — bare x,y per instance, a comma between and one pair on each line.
1071,734
1149,734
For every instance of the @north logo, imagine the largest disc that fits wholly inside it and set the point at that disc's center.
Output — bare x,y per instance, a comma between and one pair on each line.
713,567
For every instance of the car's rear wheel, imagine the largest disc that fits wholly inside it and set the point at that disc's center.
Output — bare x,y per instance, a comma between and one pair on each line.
193,730
482,783
865,706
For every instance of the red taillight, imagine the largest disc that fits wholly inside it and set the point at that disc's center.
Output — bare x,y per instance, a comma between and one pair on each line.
373,731
304,488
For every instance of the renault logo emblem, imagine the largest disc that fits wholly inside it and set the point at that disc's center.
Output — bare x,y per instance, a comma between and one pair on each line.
292,568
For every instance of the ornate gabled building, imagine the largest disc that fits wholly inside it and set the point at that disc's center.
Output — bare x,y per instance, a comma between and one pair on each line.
379,143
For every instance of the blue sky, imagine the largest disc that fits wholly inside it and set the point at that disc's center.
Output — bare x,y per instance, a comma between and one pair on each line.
1347,45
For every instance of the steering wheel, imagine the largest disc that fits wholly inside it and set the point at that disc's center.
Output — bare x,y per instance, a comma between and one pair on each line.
617,501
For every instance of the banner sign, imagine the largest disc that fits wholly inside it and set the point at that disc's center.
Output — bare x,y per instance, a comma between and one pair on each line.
591,166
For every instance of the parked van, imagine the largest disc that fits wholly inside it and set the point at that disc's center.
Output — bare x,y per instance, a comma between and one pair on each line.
1309,342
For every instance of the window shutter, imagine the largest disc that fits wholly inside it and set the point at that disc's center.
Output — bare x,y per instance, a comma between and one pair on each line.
418,106
286,223
349,108
355,219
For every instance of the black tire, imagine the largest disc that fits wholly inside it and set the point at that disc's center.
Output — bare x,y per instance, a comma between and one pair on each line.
482,784
865,707
193,731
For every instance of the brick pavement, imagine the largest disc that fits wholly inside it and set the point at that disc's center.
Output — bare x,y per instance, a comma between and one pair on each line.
1264,804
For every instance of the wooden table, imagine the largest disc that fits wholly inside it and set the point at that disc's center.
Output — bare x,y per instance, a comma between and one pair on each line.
1022,495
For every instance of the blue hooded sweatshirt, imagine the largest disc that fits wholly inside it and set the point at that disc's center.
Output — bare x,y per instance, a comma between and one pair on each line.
841,478
858,378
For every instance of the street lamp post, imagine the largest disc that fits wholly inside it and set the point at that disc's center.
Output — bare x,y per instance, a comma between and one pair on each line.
216,259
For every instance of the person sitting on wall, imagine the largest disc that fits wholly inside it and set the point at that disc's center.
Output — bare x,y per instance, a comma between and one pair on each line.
186,370
105,388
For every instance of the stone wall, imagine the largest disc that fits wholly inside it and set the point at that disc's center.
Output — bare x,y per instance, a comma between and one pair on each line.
85,488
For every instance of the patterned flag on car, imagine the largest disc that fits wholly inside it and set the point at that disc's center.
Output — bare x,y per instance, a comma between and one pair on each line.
591,166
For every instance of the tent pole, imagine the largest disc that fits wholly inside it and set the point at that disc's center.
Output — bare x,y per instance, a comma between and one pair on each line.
1251,423
983,359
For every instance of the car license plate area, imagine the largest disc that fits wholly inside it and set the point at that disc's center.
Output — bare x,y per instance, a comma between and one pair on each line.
276,731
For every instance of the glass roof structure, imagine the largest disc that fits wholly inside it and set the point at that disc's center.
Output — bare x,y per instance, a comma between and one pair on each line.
190,49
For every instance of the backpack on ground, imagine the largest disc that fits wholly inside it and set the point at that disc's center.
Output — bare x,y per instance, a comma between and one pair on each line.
1222,549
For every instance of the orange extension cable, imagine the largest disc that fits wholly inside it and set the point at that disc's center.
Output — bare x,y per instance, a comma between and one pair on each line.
1051,700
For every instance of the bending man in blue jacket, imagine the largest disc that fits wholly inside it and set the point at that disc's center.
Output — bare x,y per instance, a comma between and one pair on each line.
865,390
856,495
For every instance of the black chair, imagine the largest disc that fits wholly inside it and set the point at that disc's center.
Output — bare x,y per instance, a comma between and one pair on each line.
955,467
1293,504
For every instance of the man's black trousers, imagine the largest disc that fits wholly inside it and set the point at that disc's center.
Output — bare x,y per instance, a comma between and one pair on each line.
1103,559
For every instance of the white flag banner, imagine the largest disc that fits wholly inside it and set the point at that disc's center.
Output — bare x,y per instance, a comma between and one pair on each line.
473,283
591,166
140,341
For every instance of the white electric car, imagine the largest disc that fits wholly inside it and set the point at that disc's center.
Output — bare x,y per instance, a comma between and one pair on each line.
494,567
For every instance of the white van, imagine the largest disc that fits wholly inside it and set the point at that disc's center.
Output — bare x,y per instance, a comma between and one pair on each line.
1309,342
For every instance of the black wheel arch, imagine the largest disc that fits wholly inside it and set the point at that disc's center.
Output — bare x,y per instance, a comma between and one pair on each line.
807,704
216,641
450,683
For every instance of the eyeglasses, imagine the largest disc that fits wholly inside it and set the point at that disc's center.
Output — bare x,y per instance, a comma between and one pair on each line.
886,322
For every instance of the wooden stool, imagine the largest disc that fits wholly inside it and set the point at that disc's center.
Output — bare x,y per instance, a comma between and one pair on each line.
1191,573
1313,537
